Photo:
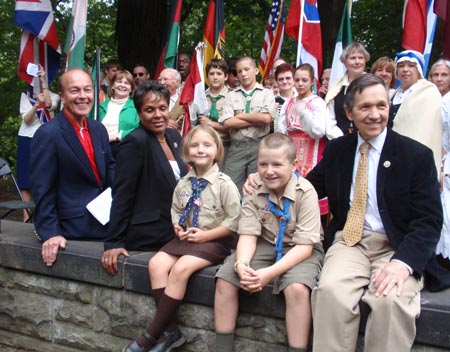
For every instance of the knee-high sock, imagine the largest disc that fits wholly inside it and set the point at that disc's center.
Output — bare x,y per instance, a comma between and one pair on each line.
224,342
165,314
157,293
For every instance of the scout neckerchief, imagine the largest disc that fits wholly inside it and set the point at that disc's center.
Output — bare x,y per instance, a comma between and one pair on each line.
213,113
248,99
198,185
284,217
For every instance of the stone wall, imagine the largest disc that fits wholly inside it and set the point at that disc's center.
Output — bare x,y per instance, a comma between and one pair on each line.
76,306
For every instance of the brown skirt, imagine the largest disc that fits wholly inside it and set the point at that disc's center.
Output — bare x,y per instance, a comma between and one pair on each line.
212,251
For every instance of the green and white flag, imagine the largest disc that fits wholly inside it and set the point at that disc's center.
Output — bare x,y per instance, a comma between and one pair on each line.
76,35
343,39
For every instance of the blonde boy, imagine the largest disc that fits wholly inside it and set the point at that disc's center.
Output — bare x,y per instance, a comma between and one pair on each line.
279,238
247,114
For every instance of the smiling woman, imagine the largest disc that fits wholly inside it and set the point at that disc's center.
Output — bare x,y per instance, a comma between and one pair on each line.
119,114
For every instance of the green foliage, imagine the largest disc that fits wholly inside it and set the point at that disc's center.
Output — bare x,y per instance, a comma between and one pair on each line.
378,24
8,139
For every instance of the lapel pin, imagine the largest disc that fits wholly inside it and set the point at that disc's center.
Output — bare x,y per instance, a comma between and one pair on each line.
387,163
175,145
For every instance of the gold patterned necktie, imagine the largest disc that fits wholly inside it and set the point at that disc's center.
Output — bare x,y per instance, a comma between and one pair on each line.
353,228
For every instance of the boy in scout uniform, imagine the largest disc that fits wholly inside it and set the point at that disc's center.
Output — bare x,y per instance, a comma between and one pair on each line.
279,239
247,114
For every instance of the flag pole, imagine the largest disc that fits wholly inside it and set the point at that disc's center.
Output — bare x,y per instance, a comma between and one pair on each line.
97,83
300,32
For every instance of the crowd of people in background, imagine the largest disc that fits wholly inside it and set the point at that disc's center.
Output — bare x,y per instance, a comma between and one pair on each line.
288,147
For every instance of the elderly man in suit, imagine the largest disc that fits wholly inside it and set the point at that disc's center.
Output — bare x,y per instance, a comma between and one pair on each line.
383,193
71,164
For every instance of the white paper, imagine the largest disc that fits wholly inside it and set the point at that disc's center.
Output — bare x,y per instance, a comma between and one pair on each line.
32,69
100,206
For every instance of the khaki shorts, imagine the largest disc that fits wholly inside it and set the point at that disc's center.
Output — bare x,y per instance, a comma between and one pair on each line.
306,272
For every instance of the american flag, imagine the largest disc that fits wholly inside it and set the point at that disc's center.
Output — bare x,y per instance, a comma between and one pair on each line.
273,38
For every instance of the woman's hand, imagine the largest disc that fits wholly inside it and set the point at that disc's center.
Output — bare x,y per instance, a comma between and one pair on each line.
180,232
109,259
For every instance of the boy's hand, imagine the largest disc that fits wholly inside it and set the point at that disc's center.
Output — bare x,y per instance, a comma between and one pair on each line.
264,276
249,279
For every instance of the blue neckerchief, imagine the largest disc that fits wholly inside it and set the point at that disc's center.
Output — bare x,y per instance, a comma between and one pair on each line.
198,185
284,219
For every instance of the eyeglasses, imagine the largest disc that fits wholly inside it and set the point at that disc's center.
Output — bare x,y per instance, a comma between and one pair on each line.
140,74
164,79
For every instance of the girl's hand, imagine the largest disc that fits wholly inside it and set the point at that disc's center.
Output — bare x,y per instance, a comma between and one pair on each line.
180,232
195,235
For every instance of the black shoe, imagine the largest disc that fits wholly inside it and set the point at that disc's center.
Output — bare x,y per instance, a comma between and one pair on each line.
172,339
134,347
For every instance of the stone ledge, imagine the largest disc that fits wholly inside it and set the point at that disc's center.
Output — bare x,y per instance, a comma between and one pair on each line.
80,261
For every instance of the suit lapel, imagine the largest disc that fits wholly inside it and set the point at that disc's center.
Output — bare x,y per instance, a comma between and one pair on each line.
99,154
346,164
388,162
74,144
162,161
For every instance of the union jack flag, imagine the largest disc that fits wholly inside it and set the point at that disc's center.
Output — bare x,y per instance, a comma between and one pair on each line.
42,113
273,38
36,19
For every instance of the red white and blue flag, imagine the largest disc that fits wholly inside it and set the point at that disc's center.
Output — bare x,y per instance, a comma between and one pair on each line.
419,23
310,46
193,96
39,43
273,38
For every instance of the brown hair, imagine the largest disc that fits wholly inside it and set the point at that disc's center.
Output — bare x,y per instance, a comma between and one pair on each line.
122,74
387,62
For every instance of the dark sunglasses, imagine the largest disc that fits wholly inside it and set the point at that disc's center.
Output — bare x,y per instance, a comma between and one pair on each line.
140,74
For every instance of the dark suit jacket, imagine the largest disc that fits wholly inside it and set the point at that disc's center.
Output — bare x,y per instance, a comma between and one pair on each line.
142,192
407,193
62,181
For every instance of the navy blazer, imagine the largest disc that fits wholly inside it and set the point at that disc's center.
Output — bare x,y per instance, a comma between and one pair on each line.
142,192
62,180
407,194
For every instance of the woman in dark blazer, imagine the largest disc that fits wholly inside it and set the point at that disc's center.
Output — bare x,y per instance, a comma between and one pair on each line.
148,166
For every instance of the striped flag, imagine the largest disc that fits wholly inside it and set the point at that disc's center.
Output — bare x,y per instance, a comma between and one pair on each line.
310,46
76,35
193,96
419,24
214,34
169,53
39,42
442,9
343,39
273,38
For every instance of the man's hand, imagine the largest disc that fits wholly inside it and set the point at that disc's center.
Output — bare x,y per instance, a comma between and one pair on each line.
388,276
50,249
109,259
250,184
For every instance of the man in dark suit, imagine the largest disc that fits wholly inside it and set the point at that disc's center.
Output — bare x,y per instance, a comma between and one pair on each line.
71,164
400,225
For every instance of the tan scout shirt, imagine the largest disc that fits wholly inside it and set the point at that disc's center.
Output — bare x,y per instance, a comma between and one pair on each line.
304,226
219,106
262,100
220,201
